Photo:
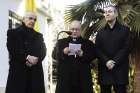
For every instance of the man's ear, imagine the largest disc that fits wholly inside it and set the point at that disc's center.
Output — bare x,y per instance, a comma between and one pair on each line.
104,14
116,13
23,19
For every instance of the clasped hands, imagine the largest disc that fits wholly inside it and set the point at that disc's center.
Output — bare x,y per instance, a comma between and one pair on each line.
78,52
31,60
110,64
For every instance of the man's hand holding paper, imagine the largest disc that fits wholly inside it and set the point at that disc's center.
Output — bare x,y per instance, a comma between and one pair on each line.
74,48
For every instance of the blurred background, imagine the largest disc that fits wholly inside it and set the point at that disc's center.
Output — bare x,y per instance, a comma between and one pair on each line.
54,17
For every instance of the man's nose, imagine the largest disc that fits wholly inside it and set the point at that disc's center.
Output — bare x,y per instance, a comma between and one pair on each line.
33,21
107,13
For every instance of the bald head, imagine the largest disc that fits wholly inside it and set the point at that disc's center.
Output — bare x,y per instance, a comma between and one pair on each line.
30,14
75,23
75,28
29,19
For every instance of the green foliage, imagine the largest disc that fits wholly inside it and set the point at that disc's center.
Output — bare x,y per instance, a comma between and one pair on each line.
130,87
91,14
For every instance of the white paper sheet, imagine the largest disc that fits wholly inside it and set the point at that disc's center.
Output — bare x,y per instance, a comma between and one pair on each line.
73,48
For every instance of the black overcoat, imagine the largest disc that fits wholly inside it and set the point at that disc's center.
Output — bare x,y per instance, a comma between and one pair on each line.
21,42
113,44
74,74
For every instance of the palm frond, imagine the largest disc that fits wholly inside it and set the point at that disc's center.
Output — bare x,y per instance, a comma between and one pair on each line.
88,12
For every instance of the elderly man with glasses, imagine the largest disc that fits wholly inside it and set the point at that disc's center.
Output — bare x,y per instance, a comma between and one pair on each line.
74,55
26,51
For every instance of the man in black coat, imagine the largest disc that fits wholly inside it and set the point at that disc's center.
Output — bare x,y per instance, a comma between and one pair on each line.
112,44
74,55
26,51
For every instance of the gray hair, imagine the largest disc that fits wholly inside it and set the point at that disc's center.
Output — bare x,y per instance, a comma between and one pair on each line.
113,6
29,14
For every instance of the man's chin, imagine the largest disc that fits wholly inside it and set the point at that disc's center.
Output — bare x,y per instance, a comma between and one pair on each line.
109,20
31,27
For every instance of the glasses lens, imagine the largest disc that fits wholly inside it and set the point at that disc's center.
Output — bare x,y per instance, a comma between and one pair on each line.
31,18
75,29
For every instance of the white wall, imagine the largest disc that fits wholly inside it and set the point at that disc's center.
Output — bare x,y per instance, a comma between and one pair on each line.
43,28
4,7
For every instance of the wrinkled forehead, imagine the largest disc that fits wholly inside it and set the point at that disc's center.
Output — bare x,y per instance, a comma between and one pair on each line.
30,14
112,8
75,24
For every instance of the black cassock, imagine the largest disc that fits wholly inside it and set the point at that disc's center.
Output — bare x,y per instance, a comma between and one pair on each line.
23,79
74,73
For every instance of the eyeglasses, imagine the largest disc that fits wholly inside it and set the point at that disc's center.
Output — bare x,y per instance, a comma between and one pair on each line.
75,29
32,18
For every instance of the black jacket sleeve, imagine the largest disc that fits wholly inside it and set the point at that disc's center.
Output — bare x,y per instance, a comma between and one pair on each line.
124,51
38,47
99,52
42,47
57,53
14,45
89,52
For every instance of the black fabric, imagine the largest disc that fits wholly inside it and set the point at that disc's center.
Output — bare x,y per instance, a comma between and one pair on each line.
21,42
74,74
106,88
116,88
113,44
